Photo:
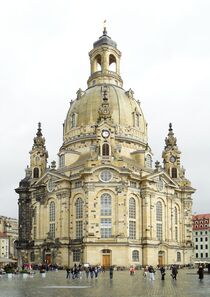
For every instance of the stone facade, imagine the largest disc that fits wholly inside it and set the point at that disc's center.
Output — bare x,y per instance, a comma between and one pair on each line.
105,203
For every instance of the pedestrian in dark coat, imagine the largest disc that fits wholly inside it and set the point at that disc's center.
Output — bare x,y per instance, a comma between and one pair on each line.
174,272
163,272
68,270
111,272
200,273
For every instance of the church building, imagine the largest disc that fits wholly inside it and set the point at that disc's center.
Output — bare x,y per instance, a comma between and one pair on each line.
105,202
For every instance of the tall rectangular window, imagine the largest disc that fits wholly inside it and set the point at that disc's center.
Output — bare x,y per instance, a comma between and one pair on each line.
79,229
62,161
34,232
76,256
159,230
176,233
52,230
106,227
132,229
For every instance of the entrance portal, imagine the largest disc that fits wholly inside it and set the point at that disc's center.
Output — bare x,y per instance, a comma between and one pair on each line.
161,258
48,259
106,258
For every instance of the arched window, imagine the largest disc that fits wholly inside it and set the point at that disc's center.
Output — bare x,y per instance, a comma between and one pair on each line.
73,120
132,208
79,208
159,211
36,172
61,161
132,218
106,205
135,256
52,212
159,224
97,63
105,149
148,161
112,63
35,214
52,220
79,218
137,120
174,173
178,255
175,215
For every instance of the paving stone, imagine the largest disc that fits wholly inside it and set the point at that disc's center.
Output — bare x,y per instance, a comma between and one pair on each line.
122,285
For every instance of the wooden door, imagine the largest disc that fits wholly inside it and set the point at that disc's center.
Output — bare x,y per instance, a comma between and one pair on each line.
48,259
106,260
160,260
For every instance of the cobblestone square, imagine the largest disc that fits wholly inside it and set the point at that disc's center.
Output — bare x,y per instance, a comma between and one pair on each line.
122,285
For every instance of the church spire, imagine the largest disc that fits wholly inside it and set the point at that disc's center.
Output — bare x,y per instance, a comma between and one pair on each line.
39,130
170,141
39,154
105,30
171,155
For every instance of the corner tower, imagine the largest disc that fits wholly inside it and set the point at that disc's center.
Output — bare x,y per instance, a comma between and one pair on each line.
38,155
171,159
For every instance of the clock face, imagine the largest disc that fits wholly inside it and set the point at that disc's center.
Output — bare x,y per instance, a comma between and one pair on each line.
172,159
105,133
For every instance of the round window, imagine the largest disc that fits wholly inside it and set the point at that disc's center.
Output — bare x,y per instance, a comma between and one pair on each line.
106,175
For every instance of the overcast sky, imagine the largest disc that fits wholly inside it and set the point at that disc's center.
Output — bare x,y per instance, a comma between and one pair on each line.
44,60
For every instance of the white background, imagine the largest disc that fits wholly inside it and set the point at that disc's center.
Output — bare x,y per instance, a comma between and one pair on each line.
44,59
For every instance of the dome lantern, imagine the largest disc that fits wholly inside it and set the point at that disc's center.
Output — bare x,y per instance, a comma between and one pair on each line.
105,62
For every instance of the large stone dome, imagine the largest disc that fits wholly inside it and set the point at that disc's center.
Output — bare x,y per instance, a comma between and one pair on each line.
122,108
124,111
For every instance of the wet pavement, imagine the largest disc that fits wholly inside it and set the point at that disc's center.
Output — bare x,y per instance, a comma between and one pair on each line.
122,285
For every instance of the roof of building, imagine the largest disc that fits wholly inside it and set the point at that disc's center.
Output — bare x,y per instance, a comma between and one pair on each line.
3,235
201,216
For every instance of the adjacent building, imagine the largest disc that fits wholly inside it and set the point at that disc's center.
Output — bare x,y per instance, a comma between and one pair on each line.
8,236
4,246
201,237
105,203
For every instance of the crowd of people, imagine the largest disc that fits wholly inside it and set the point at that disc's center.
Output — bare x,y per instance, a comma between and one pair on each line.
93,271
77,271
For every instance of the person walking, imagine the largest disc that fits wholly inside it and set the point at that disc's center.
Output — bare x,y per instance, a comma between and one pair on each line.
163,272
200,272
145,272
151,273
111,270
174,272
68,270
